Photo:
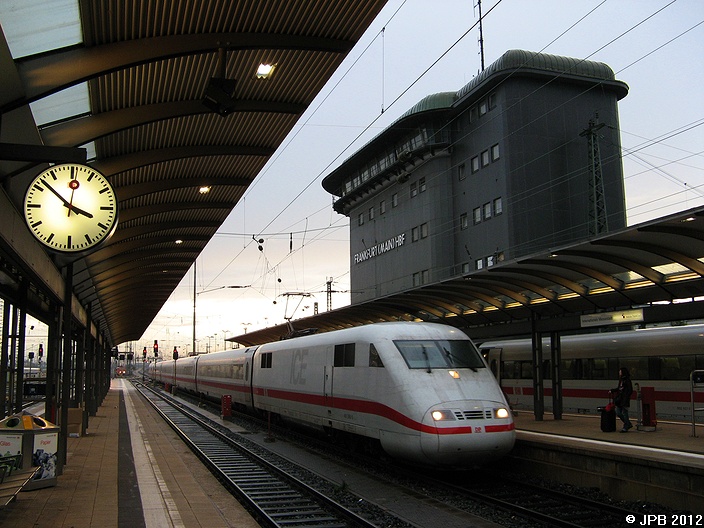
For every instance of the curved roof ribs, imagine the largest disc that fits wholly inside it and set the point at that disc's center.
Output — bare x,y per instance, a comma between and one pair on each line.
84,129
48,73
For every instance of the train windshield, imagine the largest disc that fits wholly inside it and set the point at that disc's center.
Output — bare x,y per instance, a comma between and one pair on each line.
430,354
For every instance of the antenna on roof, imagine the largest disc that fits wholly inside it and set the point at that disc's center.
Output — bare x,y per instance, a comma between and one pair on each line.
481,34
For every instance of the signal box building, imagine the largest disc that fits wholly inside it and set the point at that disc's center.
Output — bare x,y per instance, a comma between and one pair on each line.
524,158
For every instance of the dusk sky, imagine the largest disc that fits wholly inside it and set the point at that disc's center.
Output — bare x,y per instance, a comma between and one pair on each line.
413,49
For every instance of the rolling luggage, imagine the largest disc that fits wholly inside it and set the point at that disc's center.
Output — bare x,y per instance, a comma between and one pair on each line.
608,418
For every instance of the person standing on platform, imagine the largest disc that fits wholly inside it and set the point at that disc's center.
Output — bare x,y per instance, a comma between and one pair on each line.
622,397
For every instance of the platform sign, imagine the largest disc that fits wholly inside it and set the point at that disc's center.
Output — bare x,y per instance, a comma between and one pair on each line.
611,318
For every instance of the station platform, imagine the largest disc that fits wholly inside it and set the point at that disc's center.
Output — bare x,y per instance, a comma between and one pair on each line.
129,470
667,436
664,465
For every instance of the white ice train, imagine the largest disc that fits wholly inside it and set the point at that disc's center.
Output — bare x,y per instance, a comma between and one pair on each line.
660,359
422,390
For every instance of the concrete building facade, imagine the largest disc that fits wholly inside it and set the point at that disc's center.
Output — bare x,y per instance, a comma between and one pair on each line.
524,158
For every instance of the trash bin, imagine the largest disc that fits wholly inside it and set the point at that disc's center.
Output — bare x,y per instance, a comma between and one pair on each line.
649,420
226,406
36,440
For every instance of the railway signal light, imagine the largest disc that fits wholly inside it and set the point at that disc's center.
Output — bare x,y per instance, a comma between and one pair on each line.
156,348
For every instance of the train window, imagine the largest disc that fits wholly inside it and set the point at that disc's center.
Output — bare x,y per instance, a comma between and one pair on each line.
637,367
571,369
526,370
597,369
374,358
677,368
344,355
266,360
440,354
508,370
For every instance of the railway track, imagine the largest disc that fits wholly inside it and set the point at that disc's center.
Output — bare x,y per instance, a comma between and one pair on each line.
273,496
499,499
545,505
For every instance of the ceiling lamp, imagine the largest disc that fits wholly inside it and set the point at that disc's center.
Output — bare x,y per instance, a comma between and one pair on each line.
205,189
264,71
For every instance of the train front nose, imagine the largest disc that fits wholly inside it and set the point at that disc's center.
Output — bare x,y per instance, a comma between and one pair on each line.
467,433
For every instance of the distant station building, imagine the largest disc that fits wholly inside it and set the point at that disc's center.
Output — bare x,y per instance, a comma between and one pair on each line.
524,158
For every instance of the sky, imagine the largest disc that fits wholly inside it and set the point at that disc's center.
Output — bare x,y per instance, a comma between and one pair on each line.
285,239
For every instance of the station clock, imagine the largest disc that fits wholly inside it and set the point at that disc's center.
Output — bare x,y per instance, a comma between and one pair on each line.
71,208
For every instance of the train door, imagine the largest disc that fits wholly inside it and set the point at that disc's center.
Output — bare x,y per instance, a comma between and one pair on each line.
328,371
247,379
493,358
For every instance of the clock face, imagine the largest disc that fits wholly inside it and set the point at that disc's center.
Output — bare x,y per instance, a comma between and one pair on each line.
71,208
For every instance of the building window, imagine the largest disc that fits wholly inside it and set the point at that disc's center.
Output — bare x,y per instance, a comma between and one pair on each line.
394,200
424,230
360,219
382,207
495,152
421,185
479,264
461,175
414,189
477,214
473,115
483,108
371,213
475,164
485,158
464,223
415,234
487,210
465,267
490,261
421,277
492,101
498,206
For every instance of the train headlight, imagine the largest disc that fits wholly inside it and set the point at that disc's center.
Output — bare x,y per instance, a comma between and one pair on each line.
501,412
442,416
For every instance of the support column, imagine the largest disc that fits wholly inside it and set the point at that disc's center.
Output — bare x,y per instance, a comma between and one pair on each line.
538,395
555,360
66,350
4,357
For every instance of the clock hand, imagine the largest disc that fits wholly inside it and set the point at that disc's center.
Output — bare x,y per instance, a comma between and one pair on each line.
66,202
77,210
70,203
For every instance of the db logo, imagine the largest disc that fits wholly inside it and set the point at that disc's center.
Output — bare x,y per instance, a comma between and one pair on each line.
477,429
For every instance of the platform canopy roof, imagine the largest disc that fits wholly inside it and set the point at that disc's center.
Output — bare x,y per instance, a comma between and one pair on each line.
656,267
166,101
